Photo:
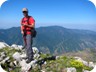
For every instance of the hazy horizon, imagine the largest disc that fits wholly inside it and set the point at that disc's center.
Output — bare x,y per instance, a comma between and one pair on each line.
73,14
58,25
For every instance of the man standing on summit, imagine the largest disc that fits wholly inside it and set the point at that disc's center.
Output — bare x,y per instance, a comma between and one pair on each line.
27,24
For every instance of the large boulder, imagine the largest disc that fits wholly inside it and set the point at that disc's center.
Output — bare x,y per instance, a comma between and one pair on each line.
24,66
3,44
17,56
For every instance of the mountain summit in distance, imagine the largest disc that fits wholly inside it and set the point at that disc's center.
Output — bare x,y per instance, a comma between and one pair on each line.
53,39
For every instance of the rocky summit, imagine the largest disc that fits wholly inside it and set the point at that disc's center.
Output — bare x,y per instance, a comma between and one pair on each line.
13,59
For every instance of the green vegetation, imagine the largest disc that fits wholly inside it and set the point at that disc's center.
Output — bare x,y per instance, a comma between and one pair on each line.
9,51
58,65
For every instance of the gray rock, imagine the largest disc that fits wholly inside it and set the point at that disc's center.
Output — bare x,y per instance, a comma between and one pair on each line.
15,63
57,57
6,59
2,70
86,71
24,66
35,50
91,64
71,69
36,56
17,56
33,63
3,54
23,56
3,44
18,47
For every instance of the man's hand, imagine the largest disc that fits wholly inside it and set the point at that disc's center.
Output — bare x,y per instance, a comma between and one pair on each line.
24,24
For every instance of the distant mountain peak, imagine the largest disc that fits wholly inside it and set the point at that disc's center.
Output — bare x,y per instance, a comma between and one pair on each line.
53,39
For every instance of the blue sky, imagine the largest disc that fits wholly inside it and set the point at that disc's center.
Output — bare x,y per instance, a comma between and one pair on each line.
75,14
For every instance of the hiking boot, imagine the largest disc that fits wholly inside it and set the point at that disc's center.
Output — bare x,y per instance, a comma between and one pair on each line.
29,60
23,47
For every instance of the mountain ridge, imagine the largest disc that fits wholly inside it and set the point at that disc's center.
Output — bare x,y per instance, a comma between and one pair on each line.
53,39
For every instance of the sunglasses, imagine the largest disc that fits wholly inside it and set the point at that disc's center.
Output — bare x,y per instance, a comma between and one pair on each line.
25,12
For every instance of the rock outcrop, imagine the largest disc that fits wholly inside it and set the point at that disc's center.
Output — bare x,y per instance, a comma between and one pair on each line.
3,44
13,58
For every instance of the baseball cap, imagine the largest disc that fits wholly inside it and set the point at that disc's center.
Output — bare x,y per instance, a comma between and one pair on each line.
24,9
